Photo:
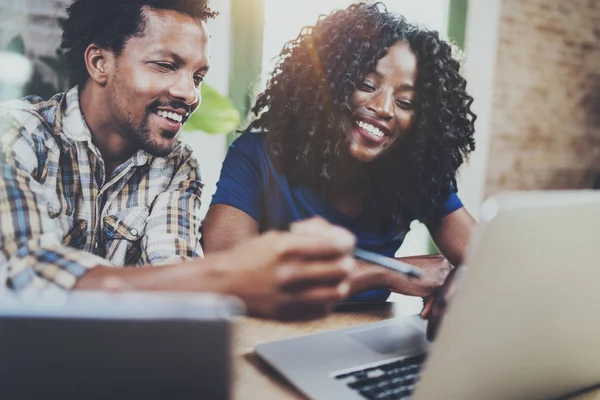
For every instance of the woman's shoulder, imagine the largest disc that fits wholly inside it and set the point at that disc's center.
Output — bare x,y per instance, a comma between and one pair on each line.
252,142
250,138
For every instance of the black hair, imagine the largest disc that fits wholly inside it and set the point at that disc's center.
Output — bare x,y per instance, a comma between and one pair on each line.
306,103
110,23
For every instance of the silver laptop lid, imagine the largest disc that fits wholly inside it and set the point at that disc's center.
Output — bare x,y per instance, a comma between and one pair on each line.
123,305
524,323
106,345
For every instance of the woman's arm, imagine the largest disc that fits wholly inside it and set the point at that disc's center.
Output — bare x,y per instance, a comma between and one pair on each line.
226,226
451,237
452,234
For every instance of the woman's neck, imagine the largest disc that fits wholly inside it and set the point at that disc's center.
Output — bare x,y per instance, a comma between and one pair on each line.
347,190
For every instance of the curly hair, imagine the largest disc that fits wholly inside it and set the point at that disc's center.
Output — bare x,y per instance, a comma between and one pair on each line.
307,102
110,23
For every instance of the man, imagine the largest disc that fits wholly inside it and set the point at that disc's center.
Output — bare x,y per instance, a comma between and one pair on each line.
96,178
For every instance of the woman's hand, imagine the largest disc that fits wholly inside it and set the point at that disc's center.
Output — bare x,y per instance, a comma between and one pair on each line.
435,306
435,269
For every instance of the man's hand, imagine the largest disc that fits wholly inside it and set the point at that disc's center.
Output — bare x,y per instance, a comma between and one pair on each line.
435,306
289,275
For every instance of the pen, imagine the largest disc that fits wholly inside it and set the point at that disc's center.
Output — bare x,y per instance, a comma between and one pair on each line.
387,262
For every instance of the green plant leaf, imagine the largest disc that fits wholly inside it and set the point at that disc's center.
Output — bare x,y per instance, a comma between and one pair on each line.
16,45
215,115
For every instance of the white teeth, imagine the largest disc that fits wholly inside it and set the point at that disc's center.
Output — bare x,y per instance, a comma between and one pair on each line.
170,115
373,130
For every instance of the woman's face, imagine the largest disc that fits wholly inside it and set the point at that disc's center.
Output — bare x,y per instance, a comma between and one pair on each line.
384,104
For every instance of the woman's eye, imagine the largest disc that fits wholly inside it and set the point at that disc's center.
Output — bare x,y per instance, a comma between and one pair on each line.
367,86
406,105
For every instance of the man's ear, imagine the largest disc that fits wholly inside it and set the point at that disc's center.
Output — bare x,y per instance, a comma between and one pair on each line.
98,62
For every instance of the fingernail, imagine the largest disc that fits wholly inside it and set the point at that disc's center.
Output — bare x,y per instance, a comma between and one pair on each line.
348,264
344,241
293,227
344,289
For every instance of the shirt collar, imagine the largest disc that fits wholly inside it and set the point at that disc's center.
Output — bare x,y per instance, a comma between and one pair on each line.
70,119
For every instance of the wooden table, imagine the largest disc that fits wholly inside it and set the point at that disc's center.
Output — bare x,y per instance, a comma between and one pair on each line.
253,379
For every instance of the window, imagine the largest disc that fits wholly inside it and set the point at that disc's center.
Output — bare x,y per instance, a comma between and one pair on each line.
284,19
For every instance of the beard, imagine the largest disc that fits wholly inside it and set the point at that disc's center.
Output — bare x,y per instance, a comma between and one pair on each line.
141,137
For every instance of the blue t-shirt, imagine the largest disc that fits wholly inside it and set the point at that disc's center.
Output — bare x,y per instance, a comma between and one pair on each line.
251,183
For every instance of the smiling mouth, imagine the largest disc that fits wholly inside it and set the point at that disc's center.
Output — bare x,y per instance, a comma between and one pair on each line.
371,131
171,116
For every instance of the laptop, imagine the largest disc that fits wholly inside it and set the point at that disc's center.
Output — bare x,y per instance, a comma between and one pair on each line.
523,324
98,345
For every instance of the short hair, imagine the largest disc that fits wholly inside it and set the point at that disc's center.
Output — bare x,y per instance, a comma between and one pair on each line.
307,102
110,23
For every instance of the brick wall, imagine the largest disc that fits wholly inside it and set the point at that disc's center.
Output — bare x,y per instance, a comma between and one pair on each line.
545,130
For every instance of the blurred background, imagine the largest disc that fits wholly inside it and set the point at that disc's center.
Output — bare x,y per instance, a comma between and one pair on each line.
533,67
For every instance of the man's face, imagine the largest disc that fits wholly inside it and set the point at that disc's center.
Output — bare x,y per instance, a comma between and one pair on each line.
156,81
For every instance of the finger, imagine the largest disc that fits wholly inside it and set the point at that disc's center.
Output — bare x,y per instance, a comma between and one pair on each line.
313,273
432,328
313,246
310,223
319,226
320,295
427,307
435,316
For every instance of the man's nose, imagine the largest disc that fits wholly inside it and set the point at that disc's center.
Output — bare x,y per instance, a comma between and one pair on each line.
185,90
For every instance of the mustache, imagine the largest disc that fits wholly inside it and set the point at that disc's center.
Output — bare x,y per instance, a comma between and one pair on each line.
172,104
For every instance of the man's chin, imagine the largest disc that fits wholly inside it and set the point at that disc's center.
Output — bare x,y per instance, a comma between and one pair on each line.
158,151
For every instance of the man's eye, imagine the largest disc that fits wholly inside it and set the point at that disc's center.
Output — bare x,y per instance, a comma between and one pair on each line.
165,66
198,80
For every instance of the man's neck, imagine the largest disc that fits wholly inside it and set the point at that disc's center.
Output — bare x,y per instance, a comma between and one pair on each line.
113,146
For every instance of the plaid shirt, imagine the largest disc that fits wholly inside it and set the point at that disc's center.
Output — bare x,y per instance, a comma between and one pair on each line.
59,216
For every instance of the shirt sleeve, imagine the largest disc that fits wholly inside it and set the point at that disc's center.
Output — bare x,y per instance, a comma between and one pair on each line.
173,225
452,204
241,182
33,260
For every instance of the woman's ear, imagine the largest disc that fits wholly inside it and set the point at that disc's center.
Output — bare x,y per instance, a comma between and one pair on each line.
97,63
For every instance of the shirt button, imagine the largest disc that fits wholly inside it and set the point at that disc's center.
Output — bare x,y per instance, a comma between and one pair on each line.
134,232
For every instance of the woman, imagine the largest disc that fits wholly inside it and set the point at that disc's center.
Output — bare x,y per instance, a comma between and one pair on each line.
364,121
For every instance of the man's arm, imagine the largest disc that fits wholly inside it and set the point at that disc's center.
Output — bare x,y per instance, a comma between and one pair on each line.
32,257
284,275
226,226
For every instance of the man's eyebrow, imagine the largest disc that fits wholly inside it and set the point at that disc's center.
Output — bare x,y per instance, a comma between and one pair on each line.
175,57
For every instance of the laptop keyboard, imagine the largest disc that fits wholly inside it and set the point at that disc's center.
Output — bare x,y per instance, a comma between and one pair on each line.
390,381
